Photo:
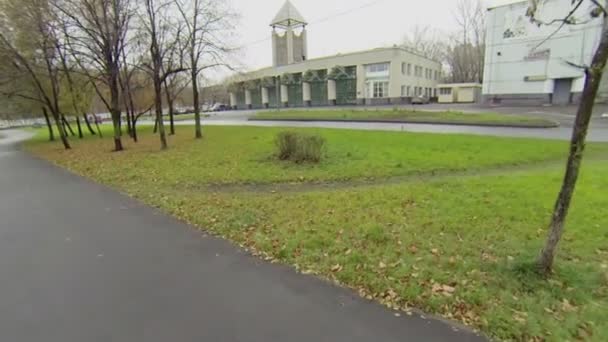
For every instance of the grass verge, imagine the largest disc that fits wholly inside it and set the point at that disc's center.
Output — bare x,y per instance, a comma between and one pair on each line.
460,247
409,116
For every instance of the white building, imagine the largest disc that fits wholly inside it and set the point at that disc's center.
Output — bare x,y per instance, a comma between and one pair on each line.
527,63
379,76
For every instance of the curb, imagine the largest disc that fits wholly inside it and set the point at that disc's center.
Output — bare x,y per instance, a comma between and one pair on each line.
479,124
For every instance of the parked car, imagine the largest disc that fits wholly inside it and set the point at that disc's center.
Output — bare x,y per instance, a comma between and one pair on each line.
420,100
218,107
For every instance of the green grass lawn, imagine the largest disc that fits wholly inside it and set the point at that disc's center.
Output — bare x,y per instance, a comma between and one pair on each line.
446,117
245,155
460,247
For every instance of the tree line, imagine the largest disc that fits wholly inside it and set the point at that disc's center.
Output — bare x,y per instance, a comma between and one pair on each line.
128,57
462,51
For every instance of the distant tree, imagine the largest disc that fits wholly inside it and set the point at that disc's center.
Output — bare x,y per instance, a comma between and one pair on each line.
427,41
593,76
161,33
174,85
466,52
207,24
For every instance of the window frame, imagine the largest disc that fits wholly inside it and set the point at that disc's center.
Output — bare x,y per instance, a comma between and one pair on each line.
380,89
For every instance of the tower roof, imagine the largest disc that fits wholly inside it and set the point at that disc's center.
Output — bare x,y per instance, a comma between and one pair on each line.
288,16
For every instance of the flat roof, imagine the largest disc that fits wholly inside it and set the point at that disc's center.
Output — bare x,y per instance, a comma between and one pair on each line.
360,52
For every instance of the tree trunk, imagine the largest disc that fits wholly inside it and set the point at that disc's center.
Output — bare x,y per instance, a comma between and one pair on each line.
86,121
158,105
117,136
80,136
115,104
171,119
155,129
67,124
129,128
98,130
61,129
48,124
170,103
134,128
577,148
198,132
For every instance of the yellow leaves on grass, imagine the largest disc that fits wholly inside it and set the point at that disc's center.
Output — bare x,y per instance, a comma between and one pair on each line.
336,268
443,289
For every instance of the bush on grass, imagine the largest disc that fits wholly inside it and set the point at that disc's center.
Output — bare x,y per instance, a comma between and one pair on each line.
300,147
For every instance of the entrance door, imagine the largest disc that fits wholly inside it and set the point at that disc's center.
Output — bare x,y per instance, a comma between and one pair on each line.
561,91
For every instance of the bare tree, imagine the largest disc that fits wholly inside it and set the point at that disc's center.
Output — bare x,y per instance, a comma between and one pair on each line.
466,53
207,23
427,41
95,32
161,34
593,76
174,85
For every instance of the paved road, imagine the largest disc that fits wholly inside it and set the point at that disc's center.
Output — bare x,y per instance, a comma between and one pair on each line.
564,115
79,262
597,134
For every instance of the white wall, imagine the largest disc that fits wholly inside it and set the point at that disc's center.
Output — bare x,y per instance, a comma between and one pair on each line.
509,60
394,56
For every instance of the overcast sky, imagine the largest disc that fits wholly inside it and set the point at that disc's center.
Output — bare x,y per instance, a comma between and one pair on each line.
368,24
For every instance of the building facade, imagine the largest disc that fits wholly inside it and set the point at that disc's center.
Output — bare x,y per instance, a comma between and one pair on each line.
459,93
380,76
538,64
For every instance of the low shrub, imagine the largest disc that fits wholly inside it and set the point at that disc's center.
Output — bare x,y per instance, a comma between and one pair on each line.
300,147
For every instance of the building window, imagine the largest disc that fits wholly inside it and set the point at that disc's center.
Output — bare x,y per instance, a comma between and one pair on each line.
378,67
436,75
403,68
403,91
445,91
409,69
380,89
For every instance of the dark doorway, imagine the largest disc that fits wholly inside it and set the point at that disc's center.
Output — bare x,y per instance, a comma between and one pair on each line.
562,91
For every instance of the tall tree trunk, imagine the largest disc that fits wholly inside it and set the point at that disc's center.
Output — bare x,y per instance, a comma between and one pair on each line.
117,135
48,124
171,118
577,148
159,113
86,121
115,104
80,136
198,131
170,103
